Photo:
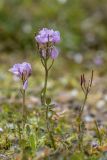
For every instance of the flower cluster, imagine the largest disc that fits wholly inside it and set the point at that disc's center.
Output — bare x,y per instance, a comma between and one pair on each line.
23,71
46,40
48,35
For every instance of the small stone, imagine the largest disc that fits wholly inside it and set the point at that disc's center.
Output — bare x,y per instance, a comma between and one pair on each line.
74,93
105,97
88,118
78,58
100,104
1,130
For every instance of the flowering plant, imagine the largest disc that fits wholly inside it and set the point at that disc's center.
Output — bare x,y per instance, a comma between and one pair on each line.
23,71
46,40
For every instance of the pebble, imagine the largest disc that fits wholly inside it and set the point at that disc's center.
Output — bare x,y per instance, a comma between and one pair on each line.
1,130
100,104
78,58
88,118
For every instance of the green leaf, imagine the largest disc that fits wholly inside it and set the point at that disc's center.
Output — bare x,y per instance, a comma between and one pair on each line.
32,141
48,101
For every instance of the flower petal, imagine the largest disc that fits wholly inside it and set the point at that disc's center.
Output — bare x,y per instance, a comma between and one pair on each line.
25,85
54,53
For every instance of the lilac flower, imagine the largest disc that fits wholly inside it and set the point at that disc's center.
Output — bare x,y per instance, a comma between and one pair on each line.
23,71
48,35
54,53
25,85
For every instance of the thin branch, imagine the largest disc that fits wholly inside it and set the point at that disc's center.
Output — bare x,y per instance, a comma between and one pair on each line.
82,83
42,62
91,78
51,65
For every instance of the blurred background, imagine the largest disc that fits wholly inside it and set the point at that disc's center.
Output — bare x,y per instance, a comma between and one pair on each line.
82,23
83,28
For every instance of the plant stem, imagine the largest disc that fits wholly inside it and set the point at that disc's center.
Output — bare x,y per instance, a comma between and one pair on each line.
19,132
24,109
81,110
48,128
43,99
86,88
45,83
81,123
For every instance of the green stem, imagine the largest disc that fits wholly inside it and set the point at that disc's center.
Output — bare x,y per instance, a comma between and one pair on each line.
44,101
19,132
81,110
43,98
80,128
48,128
45,84
24,109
